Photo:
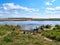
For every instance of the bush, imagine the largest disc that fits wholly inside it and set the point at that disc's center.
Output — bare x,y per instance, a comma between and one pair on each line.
53,34
57,38
48,26
2,33
8,39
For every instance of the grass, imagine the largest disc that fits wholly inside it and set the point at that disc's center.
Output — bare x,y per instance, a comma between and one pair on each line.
53,34
14,37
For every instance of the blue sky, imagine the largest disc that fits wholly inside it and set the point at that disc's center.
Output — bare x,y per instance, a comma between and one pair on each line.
30,8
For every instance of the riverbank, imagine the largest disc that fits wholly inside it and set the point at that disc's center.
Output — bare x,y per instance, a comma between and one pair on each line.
11,35
32,19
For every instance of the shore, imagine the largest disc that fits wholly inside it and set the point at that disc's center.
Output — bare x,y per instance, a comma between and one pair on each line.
24,19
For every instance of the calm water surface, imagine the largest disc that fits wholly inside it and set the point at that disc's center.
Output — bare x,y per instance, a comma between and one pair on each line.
29,24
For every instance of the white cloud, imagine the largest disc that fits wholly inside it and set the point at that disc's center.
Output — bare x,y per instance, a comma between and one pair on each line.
55,10
13,10
48,3
9,6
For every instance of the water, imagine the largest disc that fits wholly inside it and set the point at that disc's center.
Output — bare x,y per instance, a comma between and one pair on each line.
29,25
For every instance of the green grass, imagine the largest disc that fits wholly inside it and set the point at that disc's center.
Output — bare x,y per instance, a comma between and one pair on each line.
53,34
10,35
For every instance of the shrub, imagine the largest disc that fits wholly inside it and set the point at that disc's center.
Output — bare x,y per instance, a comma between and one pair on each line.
2,33
48,26
8,39
57,38
53,34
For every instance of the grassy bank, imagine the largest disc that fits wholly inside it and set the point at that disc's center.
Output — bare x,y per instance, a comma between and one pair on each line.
52,34
11,35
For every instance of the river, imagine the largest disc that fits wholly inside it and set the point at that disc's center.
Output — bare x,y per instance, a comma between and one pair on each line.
28,25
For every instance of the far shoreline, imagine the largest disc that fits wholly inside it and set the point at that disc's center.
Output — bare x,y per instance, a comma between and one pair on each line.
29,19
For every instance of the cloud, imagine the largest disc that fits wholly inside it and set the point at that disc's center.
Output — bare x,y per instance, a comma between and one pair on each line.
14,10
53,12
48,3
9,6
55,8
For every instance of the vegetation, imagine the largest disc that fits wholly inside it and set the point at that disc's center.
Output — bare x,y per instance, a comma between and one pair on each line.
48,26
11,35
53,34
42,27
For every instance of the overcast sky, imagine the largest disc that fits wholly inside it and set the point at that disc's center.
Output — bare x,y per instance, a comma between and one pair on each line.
30,8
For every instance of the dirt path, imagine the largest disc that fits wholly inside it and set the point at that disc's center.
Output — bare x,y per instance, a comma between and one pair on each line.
47,39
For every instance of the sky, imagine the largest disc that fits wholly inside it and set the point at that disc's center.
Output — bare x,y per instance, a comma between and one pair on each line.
29,8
